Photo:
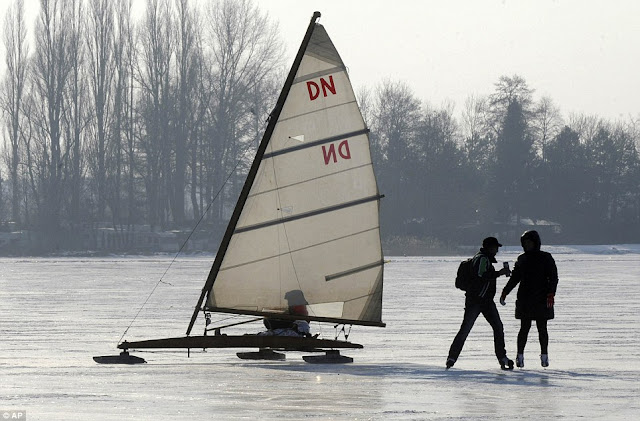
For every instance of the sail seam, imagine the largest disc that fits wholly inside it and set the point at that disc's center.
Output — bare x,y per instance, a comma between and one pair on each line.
317,111
308,214
298,250
324,58
353,270
319,73
368,164
315,143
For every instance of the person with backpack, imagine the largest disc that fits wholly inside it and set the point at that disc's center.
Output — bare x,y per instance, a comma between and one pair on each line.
537,274
480,289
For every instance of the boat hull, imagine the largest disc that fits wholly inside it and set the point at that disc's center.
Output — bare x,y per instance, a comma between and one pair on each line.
123,358
282,343
263,354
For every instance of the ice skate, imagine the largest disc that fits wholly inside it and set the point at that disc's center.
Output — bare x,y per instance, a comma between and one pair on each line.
506,363
544,360
520,360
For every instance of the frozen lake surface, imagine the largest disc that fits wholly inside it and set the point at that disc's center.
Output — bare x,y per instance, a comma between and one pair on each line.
57,313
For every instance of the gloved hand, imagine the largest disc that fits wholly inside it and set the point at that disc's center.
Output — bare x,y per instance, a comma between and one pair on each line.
550,299
502,299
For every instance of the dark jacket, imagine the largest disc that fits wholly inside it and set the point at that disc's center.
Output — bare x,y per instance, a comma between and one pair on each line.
537,275
483,286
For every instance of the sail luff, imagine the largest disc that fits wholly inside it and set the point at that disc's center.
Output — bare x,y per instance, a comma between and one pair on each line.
273,119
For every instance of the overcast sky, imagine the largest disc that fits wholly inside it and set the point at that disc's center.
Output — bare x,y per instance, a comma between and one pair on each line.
584,54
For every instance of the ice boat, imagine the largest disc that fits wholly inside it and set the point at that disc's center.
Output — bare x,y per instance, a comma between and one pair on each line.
303,242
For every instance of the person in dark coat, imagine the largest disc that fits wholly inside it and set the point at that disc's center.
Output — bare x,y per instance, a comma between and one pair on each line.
284,327
536,272
479,299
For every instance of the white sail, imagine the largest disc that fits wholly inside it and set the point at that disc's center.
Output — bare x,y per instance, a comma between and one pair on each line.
308,233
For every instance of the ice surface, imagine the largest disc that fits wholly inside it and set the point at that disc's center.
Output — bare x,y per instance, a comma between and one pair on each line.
57,313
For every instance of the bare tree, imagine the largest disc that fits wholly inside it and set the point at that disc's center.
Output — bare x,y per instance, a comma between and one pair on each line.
76,112
124,149
187,60
51,71
633,127
156,52
29,192
507,91
546,124
245,51
587,126
397,120
397,116
17,48
478,144
204,94
365,101
99,41
473,116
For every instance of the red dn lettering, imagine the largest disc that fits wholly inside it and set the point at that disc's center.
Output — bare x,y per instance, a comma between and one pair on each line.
343,151
314,89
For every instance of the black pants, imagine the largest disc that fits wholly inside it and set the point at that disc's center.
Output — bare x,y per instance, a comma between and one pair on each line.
543,335
471,312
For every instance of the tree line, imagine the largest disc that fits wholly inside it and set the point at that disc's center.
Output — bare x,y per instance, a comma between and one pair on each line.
509,163
112,120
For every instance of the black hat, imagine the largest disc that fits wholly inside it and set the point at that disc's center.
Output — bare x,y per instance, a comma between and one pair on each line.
533,236
490,241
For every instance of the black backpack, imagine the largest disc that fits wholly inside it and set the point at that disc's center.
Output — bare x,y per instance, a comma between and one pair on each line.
465,276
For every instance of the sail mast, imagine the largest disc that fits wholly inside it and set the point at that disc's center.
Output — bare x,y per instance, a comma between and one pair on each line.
273,119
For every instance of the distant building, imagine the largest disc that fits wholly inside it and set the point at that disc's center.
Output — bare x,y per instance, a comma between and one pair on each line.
510,232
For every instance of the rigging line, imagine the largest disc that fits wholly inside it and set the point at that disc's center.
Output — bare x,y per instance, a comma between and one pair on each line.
280,254
206,211
290,252
209,329
286,236
233,316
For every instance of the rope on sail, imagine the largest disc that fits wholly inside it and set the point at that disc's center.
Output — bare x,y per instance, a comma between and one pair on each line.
161,280
284,228
286,236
